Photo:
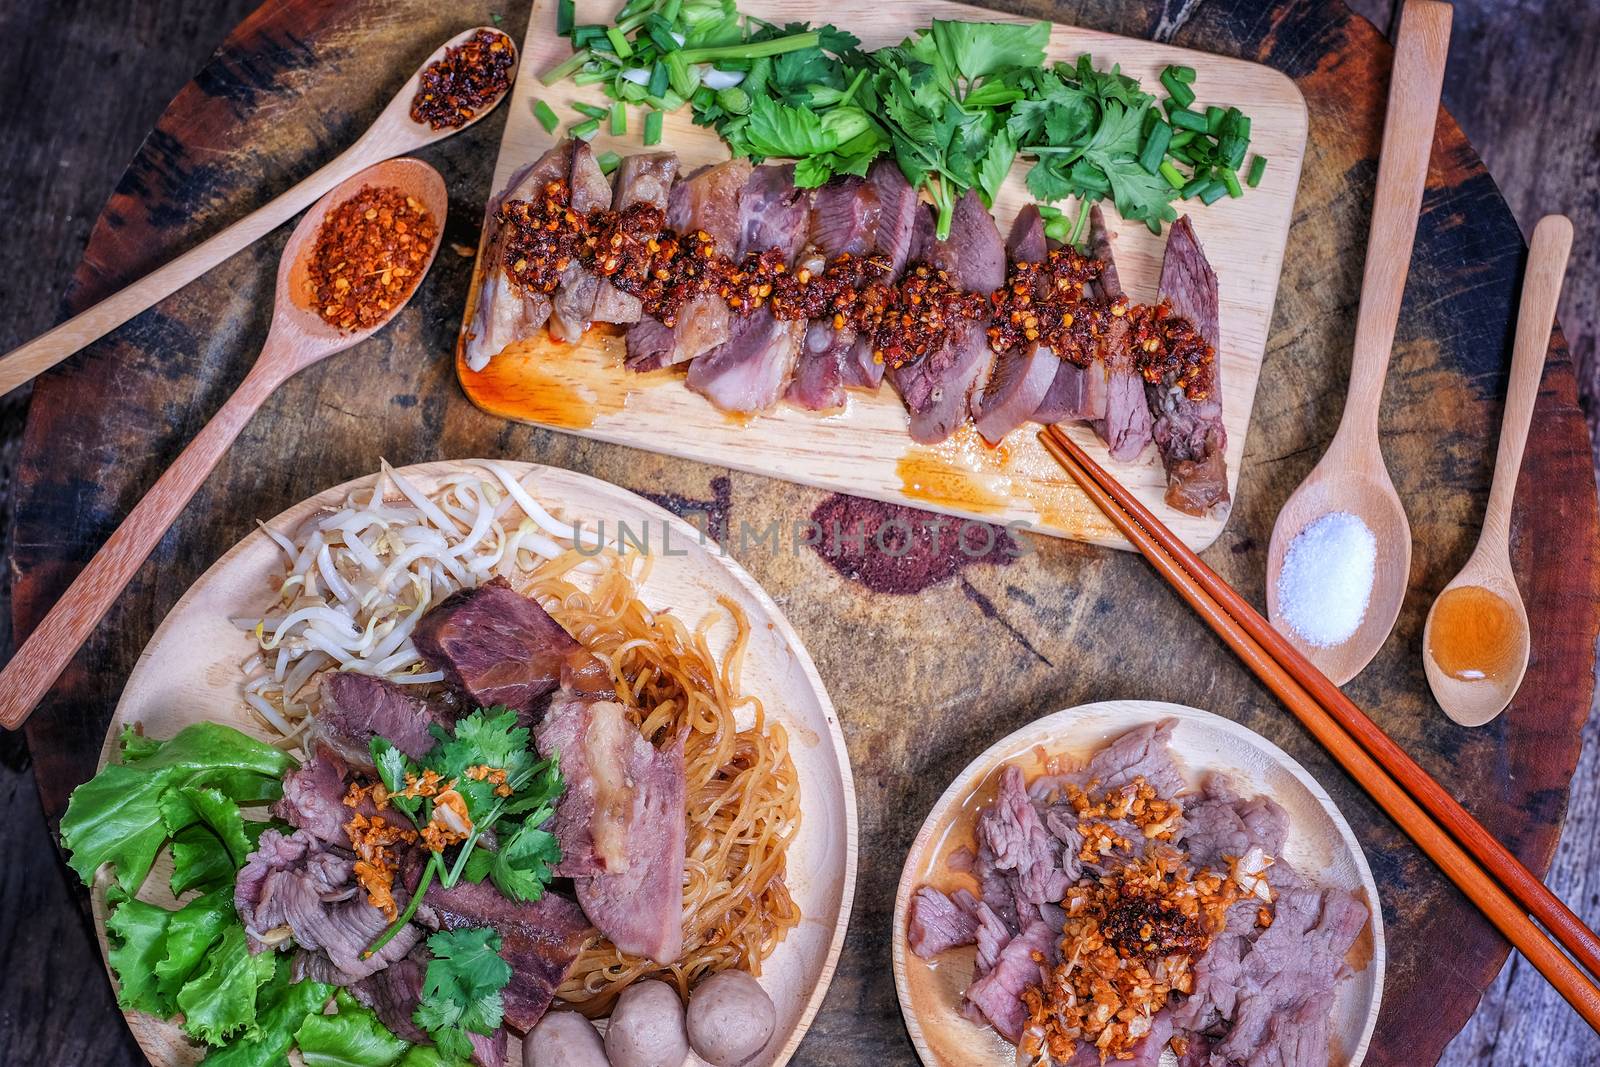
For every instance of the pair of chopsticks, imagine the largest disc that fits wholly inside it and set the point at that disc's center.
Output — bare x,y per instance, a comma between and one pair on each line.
1483,868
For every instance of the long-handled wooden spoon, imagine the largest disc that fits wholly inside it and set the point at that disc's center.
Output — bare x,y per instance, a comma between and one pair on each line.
1475,645
298,338
392,134
1351,476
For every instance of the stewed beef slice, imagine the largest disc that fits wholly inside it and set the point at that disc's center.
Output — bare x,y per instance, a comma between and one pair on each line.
355,708
496,647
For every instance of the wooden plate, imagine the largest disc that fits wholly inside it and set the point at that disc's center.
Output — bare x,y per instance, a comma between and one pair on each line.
1321,845
865,449
190,671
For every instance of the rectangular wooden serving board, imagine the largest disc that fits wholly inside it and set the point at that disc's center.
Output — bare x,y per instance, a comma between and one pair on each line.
865,449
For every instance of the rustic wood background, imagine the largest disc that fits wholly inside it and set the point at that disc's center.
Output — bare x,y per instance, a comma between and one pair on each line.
80,85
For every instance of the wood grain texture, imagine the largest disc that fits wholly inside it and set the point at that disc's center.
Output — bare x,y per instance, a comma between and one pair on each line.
1063,625
866,449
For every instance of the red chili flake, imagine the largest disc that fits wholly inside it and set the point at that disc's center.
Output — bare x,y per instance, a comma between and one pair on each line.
472,74
369,254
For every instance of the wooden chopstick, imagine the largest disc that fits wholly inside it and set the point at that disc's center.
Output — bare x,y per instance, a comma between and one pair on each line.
1335,722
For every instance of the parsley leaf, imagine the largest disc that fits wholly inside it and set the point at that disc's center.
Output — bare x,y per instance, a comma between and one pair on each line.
462,987
522,865
979,49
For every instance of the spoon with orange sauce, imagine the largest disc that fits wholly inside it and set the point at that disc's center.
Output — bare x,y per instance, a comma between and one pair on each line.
1475,643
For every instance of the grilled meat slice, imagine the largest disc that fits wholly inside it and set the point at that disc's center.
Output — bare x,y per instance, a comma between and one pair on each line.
574,297
645,178
706,200
505,314
1189,433
749,371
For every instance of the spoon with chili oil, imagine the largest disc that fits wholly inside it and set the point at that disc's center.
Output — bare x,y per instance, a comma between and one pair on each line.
464,80
351,264
1475,643
1351,476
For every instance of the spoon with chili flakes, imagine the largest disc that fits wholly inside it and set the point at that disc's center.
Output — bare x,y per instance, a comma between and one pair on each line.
464,80
349,267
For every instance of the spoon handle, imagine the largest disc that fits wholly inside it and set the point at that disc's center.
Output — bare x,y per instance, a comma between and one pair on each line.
57,638
1414,87
1541,289
51,347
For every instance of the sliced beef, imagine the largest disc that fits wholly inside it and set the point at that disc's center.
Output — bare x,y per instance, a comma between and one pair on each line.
540,940
496,647
998,994
313,799
1023,375
1125,425
505,314
624,818
860,217
750,371
645,178
939,921
937,389
1013,834
355,708
573,303
706,200
298,882
1142,752
1189,433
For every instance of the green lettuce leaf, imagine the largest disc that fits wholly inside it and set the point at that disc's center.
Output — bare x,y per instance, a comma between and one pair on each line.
201,861
116,817
352,1038
282,1006
220,1001
137,935
191,931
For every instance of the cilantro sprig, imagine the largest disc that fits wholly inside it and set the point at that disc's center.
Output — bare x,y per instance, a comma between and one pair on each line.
515,801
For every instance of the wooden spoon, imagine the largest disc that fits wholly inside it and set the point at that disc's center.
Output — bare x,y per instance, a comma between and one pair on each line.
392,134
1475,644
1351,476
298,338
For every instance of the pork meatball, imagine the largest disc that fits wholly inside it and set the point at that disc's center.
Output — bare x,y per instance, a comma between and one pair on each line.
731,1019
646,1028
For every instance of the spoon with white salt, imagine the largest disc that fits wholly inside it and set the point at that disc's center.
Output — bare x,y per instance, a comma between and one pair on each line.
1344,526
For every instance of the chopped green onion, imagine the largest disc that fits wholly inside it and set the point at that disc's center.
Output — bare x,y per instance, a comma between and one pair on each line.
747,50
670,10
659,31
588,34
619,119
652,128
547,118
1183,74
1181,138
609,161
563,70
1214,117
619,43
1173,175
1238,123
1233,149
1153,224
1188,120
1212,193
590,111
704,97
585,129
592,77
565,11
1155,147
1258,167
1231,180
734,100
1199,183
659,79
1180,92
685,80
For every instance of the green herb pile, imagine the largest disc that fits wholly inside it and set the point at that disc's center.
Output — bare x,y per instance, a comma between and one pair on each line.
955,103
188,794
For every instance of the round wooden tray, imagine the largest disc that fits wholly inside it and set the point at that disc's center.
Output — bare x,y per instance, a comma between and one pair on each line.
190,672
923,682
1321,846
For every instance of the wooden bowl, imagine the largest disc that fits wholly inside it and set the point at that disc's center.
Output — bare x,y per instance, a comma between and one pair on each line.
190,671
1321,846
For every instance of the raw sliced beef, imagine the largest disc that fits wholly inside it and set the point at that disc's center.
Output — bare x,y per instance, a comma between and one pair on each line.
940,921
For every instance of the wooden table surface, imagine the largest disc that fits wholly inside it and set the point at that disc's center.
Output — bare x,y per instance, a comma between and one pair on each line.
1012,640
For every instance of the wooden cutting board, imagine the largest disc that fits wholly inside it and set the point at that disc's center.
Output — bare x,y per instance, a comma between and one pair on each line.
865,450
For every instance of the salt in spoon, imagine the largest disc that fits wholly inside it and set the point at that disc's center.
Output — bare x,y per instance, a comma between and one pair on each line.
394,133
1351,477
298,338
1475,643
